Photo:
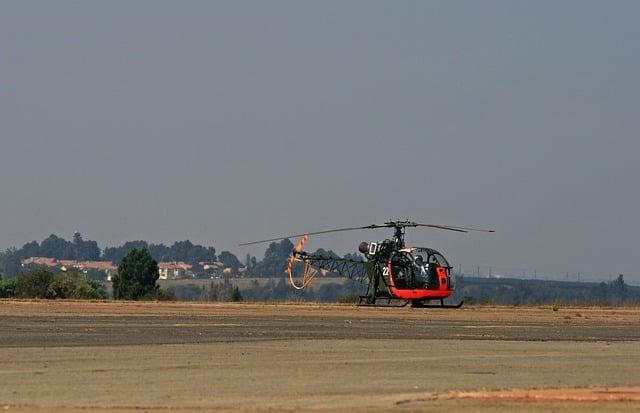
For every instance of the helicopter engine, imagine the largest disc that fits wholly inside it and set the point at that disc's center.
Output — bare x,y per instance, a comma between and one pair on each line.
380,249
368,249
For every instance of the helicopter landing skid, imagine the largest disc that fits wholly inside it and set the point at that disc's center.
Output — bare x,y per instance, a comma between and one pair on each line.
421,304
365,301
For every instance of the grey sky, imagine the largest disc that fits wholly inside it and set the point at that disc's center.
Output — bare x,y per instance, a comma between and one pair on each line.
224,122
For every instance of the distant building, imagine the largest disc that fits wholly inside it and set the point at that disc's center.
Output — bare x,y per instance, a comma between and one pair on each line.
84,266
218,269
212,266
174,270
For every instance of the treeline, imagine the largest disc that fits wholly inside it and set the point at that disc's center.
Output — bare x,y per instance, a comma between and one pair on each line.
273,263
136,279
536,292
51,247
180,251
81,250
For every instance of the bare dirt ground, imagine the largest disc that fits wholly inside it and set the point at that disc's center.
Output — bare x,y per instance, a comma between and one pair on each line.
66,356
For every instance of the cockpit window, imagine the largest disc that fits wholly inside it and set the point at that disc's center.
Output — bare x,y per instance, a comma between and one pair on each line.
429,257
439,260
425,264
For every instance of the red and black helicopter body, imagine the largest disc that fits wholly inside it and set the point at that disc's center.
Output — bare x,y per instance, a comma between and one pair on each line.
392,271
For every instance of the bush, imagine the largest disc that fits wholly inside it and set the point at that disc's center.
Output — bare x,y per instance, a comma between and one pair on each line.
34,284
236,295
7,288
75,285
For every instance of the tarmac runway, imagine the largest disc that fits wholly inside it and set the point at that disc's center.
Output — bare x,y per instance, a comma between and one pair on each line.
67,356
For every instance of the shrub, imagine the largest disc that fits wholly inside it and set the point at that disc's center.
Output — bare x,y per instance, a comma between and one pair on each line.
34,284
75,285
7,288
236,295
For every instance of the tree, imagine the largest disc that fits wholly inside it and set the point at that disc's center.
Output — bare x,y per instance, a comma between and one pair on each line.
30,249
324,253
275,259
34,284
229,260
77,238
188,252
85,250
160,252
55,247
136,277
115,254
235,294
7,288
10,263
619,285
354,256
75,285
617,290
180,251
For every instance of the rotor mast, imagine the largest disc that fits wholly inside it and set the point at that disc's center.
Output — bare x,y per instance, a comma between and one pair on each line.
398,236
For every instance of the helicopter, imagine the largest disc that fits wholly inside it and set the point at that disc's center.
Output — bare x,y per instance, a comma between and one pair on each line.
395,274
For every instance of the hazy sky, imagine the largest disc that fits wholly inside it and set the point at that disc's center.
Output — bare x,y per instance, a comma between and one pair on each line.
225,122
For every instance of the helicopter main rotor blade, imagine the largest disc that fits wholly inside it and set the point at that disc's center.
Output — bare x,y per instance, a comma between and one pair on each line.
313,233
455,228
390,224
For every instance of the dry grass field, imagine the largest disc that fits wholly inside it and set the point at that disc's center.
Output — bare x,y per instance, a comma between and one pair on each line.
66,356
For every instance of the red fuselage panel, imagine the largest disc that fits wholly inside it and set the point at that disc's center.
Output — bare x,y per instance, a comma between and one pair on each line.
417,294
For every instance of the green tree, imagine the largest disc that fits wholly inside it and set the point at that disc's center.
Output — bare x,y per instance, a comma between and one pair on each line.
179,251
34,284
116,254
7,288
229,260
275,259
136,277
617,290
235,294
75,285
84,250
10,265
